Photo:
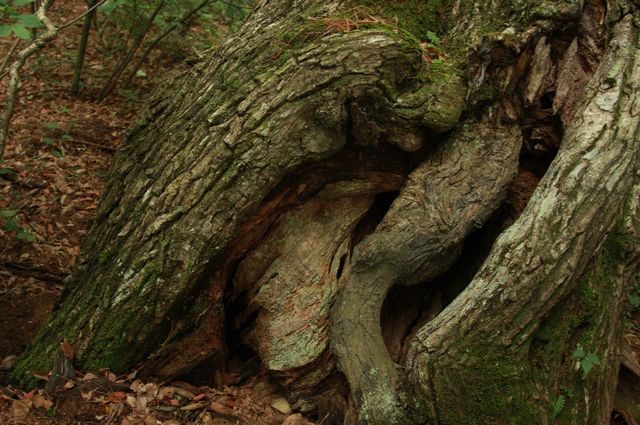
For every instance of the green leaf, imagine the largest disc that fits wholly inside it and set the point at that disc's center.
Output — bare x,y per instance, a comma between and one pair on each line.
52,125
66,137
6,171
108,7
558,405
29,21
48,141
21,2
592,358
64,109
579,354
25,236
586,367
11,225
20,31
57,154
8,213
5,30
634,299
433,37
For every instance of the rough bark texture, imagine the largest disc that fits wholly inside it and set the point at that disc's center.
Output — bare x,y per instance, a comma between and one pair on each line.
454,191
325,154
483,347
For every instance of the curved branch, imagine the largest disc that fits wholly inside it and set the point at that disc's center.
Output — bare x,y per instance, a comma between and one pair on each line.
452,193
540,258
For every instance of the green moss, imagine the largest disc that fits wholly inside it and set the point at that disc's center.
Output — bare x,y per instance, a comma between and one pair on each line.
495,391
420,18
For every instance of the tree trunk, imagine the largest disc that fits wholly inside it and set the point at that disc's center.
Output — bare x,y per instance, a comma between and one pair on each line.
338,159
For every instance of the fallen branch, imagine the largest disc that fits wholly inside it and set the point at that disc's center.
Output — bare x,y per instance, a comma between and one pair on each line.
5,62
37,272
96,145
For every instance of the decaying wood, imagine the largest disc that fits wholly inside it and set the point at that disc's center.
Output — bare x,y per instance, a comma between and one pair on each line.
452,193
531,268
271,109
318,159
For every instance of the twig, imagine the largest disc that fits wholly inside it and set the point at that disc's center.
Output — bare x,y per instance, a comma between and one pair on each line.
113,79
43,92
97,145
82,48
91,9
40,273
14,70
228,3
5,62
155,42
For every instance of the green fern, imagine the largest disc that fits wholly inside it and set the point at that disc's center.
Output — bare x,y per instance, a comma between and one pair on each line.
558,406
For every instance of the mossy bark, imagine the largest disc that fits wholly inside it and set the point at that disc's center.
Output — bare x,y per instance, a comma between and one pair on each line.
252,185
551,284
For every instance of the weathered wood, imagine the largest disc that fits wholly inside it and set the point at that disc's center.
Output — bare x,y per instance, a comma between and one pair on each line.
452,193
199,163
479,347
286,135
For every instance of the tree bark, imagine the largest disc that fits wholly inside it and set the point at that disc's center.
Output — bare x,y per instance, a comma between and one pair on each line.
330,151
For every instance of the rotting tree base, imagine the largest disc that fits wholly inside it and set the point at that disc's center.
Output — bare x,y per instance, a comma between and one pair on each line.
328,152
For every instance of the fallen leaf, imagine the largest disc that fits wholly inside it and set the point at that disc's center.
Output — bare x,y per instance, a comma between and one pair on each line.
29,395
281,405
206,419
220,408
184,393
7,362
296,419
116,397
131,401
87,395
19,409
41,401
193,406
67,349
150,420
165,408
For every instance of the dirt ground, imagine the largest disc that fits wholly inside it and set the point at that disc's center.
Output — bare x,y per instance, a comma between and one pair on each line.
56,159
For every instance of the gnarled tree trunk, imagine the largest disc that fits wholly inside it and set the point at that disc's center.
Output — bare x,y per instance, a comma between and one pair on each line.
339,160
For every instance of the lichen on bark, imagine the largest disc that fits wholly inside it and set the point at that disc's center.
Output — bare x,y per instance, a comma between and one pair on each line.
281,145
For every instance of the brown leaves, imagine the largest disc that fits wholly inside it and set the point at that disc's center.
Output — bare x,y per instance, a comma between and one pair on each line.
21,408
67,349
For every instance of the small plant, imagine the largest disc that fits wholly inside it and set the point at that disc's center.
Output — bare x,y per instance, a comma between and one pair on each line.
57,148
11,224
12,21
433,38
586,360
558,406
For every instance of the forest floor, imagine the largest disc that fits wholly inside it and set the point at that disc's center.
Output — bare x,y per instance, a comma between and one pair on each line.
56,161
